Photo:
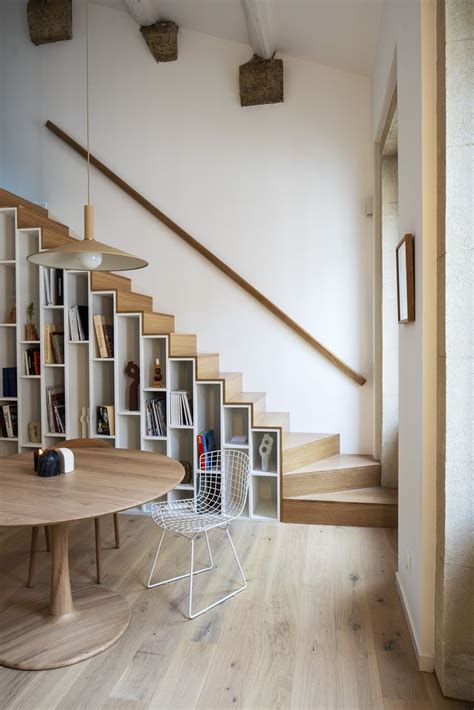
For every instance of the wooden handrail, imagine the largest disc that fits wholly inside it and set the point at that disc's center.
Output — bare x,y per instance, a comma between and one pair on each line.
201,249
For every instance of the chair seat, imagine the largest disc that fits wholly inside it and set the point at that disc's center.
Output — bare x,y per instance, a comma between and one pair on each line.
185,516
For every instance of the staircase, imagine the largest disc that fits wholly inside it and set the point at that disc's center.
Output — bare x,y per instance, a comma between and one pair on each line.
319,484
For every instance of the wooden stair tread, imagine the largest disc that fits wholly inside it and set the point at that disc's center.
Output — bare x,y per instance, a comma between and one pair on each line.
247,398
203,355
131,302
293,440
337,463
105,280
378,495
271,419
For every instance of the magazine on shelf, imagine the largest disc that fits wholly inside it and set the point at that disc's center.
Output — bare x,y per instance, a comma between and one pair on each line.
180,409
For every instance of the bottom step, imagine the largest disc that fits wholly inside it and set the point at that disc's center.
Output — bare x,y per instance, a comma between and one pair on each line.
364,507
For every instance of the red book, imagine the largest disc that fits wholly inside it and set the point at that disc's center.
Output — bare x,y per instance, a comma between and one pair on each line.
37,362
200,447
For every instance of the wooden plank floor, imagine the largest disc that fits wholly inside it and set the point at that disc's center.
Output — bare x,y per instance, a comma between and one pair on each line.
320,625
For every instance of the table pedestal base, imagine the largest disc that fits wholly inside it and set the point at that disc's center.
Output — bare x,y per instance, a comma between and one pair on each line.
32,639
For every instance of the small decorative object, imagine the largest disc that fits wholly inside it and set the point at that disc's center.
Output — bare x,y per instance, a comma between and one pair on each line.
406,279
133,371
261,81
34,432
265,450
162,40
48,464
157,376
36,454
188,472
84,421
30,329
66,460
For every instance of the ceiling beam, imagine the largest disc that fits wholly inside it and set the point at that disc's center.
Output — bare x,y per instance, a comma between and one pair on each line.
144,12
257,17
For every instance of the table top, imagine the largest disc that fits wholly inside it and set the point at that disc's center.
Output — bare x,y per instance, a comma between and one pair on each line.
103,481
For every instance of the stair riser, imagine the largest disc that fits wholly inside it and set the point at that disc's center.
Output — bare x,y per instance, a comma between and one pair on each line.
133,302
49,239
310,453
232,387
104,281
366,515
8,199
295,484
182,345
208,367
157,324
28,219
279,422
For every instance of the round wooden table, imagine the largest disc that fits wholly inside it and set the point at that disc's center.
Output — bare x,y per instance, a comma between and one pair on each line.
35,635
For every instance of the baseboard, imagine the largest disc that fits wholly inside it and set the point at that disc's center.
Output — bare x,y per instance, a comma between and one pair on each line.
425,663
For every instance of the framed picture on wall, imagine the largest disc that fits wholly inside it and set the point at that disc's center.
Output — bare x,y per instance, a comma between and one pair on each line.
406,279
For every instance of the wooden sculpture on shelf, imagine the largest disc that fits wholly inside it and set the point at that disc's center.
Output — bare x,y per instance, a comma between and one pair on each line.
157,376
133,371
31,333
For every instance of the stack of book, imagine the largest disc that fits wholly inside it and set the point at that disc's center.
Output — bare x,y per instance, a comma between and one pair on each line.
56,408
53,341
180,409
31,358
106,420
78,323
9,421
155,414
206,442
104,333
53,286
239,439
9,382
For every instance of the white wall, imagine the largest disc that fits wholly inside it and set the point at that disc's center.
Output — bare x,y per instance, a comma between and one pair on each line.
278,192
405,54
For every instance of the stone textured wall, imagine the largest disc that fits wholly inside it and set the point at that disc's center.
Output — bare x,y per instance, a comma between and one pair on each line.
454,658
390,359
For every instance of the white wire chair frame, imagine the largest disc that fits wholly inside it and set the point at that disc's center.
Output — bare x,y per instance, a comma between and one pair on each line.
223,487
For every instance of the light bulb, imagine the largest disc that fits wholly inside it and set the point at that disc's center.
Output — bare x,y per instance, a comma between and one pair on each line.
90,260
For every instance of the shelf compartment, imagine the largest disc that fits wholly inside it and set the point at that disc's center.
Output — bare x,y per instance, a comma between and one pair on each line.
236,422
7,235
128,350
257,437
128,434
208,410
7,293
153,347
181,444
77,389
156,446
265,497
101,304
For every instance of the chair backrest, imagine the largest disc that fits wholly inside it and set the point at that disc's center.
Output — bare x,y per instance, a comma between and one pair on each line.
82,444
224,481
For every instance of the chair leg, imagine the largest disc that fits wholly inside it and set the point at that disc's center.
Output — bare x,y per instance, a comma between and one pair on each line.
181,576
33,548
117,531
47,537
192,615
98,551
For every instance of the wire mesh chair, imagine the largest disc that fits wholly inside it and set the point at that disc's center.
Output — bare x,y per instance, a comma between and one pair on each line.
222,492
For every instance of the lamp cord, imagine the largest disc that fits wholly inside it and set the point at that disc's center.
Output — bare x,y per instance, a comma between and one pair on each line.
87,103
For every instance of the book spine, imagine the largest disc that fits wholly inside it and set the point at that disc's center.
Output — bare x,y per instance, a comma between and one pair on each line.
99,334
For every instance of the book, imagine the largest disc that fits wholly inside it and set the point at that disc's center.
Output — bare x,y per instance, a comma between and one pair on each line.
9,421
100,323
57,344
47,288
239,439
9,377
180,409
48,353
59,285
109,338
54,402
155,417
106,420
78,323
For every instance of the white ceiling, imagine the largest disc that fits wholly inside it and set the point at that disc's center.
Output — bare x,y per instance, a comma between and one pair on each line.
338,33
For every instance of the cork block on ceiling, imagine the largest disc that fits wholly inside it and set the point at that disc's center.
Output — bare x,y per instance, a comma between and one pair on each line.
162,40
261,81
49,20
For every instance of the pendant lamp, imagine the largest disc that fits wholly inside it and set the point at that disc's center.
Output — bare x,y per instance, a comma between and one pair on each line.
87,254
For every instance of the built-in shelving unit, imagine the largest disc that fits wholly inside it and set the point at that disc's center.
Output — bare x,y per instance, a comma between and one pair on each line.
91,380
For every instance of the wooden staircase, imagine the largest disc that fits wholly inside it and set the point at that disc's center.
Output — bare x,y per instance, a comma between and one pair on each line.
319,484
